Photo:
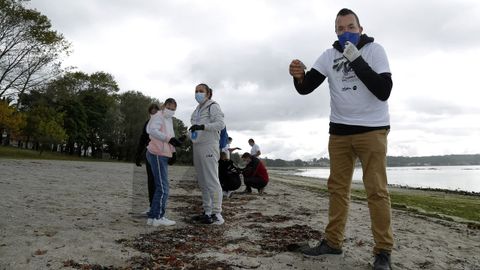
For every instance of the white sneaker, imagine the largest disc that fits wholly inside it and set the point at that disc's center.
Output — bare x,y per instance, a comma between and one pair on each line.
163,221
150,221
217,219
229,193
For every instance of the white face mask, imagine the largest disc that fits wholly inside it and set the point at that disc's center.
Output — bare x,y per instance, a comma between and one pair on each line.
168,113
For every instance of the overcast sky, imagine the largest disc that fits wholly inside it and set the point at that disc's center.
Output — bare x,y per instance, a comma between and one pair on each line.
242,49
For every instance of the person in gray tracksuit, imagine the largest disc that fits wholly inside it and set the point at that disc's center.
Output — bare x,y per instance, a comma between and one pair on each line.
207,122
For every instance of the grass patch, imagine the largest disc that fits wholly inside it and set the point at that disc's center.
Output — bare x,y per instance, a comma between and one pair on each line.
429,203
432,203
20,153
465,207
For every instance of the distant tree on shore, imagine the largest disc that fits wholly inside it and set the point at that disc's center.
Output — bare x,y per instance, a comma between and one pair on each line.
445,160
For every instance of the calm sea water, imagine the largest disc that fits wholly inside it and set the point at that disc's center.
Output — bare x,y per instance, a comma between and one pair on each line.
465,178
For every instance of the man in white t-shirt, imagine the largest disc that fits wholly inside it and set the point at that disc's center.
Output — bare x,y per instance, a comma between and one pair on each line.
255,150
360,83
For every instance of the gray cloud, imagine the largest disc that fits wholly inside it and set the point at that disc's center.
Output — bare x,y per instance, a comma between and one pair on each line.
242,50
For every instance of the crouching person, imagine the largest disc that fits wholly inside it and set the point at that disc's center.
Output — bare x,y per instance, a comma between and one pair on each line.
229,175
255,174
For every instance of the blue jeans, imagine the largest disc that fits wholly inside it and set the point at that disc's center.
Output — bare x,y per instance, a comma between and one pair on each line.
160,175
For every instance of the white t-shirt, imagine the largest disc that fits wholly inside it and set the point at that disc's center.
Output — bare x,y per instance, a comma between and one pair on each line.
254,150
350,100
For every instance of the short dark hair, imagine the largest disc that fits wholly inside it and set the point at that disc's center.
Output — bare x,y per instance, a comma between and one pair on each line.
246,155
170,101
345,12
209,90
153,106
251,140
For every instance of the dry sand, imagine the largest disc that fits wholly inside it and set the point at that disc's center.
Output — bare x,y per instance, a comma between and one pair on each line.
69,215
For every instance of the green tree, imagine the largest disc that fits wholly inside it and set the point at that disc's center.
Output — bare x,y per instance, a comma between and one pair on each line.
30,50
133,108
89,107
98,99
75,124
185,152
45,126
63,94
113,133
11,120
298,163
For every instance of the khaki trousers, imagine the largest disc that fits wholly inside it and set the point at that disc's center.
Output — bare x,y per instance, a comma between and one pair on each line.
371,149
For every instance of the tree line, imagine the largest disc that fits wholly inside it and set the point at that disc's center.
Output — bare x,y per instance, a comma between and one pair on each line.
392,161
83,114
47,108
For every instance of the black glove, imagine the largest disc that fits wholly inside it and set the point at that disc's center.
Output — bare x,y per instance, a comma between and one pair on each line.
197,127
182,138
173,159
175,142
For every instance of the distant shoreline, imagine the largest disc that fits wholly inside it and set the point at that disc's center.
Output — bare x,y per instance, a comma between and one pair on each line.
460,192
359,183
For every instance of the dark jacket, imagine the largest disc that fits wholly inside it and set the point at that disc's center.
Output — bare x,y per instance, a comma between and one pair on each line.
142,144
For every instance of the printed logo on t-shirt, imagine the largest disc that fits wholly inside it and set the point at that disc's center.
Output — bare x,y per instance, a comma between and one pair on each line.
341,64
345,73
346,88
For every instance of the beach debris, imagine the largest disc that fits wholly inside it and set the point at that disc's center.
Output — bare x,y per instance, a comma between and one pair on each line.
281,239
178,248
260,218
425,265
39,252
473,226
359,243
297,247
86,266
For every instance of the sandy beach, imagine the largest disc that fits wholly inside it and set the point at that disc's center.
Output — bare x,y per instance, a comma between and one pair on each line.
85,215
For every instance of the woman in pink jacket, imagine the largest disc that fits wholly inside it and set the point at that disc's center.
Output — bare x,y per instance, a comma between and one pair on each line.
160,148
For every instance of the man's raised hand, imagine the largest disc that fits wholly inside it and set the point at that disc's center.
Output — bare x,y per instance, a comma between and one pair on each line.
297,69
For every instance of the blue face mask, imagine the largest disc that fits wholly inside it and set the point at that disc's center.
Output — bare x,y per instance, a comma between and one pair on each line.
348,36
199,97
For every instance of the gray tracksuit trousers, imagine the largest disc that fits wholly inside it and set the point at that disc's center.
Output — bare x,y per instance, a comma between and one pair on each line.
205,159
206,153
